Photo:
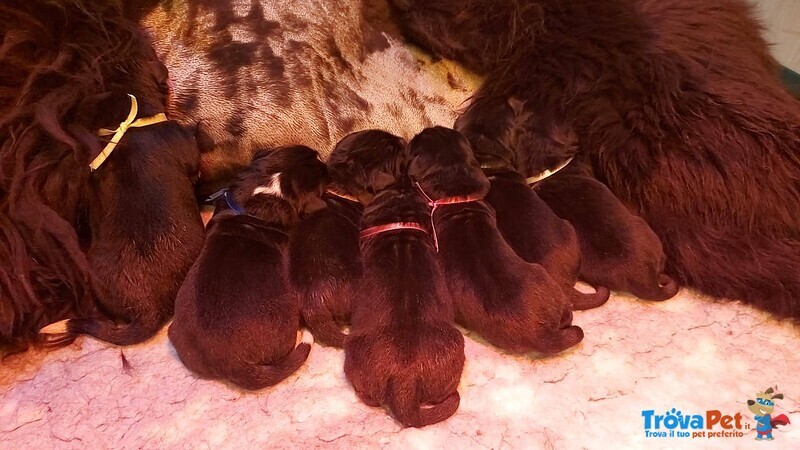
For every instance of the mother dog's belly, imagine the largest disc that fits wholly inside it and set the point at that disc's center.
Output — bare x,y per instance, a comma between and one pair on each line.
254,74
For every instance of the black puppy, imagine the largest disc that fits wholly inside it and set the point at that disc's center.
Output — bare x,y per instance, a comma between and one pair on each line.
403,350
145,227
325,264
619,249
515,305
324,250
236,317
366,162
529,226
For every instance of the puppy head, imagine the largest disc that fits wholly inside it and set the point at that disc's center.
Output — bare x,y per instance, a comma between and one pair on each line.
367,162
292,175
538,144
487,125
441,161
399,203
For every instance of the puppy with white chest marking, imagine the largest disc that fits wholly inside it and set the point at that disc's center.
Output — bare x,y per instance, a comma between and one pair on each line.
236,316
403,350
529,226
515,305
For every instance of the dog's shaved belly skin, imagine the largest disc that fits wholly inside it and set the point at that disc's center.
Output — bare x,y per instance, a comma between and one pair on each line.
294,72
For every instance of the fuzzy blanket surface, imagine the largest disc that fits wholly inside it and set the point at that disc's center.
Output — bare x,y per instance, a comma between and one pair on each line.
312,80
688,353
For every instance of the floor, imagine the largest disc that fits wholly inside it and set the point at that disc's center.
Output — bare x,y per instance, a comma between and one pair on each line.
710,357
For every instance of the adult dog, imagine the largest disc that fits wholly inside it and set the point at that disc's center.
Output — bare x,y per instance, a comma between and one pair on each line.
108,247
677,105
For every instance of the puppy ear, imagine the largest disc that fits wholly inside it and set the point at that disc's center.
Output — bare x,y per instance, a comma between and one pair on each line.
311,203
778,396
161,75
306,187
381,180
417,168
517,105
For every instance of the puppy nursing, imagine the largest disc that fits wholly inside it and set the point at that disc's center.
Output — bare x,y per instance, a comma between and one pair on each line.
325,264
619,249
403,350
527,224
515,305
236,316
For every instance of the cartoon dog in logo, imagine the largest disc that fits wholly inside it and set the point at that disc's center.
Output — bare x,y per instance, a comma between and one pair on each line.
762,407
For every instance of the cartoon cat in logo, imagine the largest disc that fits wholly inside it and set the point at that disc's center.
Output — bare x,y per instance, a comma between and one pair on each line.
762,407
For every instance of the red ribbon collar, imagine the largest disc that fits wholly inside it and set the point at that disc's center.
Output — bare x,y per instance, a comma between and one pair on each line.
378,229
434,204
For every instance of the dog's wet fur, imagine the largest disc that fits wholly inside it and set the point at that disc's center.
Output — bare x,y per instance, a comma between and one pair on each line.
513,304
619,249
526,223
236,315
403,350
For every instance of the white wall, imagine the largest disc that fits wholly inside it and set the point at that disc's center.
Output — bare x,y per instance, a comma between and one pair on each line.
782,19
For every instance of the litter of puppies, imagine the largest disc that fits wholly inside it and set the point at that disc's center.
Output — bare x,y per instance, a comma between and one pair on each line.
395,241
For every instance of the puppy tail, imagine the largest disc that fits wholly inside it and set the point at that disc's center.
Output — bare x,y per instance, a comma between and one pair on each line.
258,376
103,329
759,269
666,288
404,402
324,326
581,301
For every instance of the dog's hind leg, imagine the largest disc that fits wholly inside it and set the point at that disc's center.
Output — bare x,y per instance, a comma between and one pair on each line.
259,376
320,320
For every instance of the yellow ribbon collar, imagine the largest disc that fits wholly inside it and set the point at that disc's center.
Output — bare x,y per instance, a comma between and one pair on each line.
130,122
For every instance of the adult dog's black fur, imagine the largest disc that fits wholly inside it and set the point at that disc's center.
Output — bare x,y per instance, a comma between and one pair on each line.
619,249
529,226
236,316
515,305
403,350
677,105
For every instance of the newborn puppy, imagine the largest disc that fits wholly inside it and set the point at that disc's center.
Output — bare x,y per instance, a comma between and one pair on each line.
145,231
236,317
527,224
366,162
515,305
403,350
325,264
324,250
619,249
